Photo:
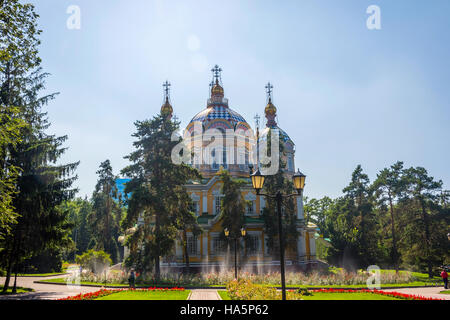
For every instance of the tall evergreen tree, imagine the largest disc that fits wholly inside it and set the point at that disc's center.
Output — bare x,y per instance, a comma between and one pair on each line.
42,184
389,187
106,212
155,181
424,217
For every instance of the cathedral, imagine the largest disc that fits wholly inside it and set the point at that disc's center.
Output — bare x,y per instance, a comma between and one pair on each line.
208,251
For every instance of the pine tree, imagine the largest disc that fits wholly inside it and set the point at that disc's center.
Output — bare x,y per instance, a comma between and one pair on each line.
106,214
426,221
42,184
155,182
389,187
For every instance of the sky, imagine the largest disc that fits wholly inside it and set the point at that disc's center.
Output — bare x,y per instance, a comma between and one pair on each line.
345,94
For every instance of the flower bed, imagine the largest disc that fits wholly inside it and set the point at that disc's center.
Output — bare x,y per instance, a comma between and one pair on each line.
246,290
106,292
397,295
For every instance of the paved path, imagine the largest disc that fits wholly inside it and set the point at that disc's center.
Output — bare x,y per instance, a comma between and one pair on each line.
43,291
429,292
204,294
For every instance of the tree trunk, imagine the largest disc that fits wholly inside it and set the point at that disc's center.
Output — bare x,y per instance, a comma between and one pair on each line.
186,253
14,289
427,240
394,236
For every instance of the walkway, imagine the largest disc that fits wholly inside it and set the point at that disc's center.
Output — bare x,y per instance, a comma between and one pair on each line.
204,294
428,292
43,291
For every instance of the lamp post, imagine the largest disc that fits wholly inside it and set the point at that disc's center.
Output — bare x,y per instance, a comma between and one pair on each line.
299,184
227,234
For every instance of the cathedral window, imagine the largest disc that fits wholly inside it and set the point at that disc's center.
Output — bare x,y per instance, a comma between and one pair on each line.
251,208
218,204
252,245
219,246
192,245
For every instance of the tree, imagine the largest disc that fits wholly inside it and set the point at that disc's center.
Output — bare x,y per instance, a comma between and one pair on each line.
426,220
155,181
273,184
233,205
106,214
389,187
316,211
353,226
185,219
42,184
78,211
10,127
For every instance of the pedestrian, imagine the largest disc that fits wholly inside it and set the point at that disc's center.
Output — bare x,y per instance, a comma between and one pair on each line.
444,276
132,279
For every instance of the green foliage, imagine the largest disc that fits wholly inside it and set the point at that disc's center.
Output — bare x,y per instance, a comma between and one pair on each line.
157,193
106,214
78,211
42,184
279,182
233,204
95,261
400,220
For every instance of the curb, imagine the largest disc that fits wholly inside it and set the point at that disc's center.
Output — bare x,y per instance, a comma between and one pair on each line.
51,275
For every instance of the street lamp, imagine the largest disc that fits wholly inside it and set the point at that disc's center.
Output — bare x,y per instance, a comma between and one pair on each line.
299,183
235,238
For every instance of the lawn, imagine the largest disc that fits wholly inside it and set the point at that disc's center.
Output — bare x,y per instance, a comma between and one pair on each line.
19,290
347,296
40,274
332,296
147,295
445,292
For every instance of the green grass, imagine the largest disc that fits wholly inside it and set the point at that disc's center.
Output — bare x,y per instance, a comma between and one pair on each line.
147,295
331,296
347,296
224,295
39,274
19,290
445,292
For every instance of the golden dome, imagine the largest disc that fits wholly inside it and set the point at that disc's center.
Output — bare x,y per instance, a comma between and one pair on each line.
166,108
270,108
217,90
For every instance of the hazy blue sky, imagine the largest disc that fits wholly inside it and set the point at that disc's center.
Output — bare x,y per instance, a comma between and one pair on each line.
345,94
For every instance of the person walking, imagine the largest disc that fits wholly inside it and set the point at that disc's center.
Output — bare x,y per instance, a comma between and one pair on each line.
444,276
132,279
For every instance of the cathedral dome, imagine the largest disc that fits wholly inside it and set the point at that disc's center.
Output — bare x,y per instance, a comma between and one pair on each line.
217,113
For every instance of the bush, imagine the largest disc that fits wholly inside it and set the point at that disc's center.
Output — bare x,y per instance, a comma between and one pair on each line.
94,261
246,290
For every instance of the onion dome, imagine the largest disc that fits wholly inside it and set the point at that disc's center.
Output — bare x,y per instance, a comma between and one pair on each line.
271,114
166,108
217,90
270,109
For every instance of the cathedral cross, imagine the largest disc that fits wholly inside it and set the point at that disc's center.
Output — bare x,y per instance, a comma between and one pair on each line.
269,88
216,72
166,86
